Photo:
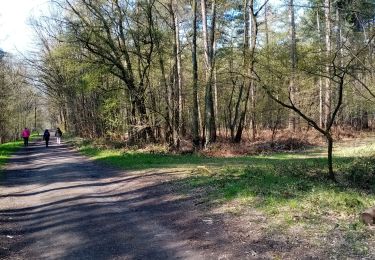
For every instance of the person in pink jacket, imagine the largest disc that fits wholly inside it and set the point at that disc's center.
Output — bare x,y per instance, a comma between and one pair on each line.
25,136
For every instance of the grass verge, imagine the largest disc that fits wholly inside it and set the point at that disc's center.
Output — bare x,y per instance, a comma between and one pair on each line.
6,150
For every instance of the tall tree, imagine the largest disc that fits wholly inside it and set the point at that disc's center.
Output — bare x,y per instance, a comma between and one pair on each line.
103,29
247,89
293,61
178,73
195,120
328,29
209,58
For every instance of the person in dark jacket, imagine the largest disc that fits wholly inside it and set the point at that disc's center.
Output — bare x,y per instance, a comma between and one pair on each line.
46,136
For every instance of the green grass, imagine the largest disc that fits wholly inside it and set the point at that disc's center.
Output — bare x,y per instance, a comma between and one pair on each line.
276,182
290,189
135,160
6,150
291,186
295,193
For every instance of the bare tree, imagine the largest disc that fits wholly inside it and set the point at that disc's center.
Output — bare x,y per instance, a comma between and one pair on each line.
104,30
337,74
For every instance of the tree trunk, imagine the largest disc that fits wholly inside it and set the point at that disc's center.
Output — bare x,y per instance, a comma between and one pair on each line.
179,119
293,59
331,174
253,114
195,120
209,115
167,95
321,93
214,90
364,120
248,64
321,103
328,96
176,131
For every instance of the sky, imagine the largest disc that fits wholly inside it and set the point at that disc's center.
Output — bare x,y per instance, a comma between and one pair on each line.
15,33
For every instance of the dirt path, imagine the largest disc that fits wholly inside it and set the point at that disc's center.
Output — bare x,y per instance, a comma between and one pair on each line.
57,204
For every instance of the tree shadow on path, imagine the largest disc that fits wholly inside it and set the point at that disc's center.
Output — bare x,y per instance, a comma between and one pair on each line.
56,204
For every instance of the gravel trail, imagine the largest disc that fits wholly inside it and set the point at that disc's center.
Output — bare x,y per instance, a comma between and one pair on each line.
58,204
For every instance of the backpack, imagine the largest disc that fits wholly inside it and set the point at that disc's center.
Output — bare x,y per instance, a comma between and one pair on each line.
46,135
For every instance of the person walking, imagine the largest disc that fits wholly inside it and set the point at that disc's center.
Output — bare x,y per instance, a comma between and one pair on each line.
46,136
25,136
58,135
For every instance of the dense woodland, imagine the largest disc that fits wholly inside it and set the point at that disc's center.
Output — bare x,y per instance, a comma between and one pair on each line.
19,101
164,71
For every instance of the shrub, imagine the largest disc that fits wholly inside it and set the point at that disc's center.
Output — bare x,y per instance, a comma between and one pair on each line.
361,173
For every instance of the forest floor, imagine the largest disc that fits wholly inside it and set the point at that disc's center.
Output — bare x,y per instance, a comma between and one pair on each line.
57,204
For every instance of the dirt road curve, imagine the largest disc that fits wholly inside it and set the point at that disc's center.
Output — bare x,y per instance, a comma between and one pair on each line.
57,204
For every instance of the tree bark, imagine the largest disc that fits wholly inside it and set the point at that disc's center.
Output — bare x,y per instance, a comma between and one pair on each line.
331,174
328,94
321,93
209,115
179,118
248,85
177,100
195,120
293,59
